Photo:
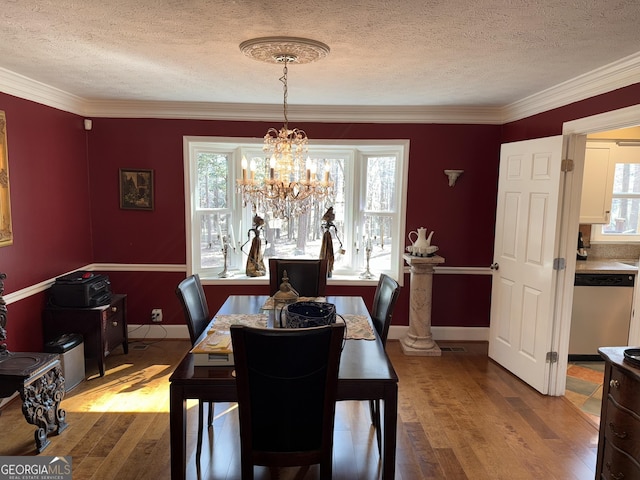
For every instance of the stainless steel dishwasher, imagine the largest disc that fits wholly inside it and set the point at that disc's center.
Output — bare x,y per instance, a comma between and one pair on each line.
601,313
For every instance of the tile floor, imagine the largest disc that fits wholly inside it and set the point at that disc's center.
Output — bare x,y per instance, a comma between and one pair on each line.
584,387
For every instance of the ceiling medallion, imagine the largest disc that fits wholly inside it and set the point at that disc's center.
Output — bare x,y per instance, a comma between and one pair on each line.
280,49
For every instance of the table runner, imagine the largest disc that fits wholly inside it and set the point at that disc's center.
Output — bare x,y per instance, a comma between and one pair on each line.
255,320
358,326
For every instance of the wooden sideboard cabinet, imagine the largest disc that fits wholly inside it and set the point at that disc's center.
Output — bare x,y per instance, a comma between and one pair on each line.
619,440
103,328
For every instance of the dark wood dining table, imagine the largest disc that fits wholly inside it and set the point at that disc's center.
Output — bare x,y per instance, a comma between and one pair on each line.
366,373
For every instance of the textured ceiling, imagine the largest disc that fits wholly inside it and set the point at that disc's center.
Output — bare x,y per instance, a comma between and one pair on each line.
383,53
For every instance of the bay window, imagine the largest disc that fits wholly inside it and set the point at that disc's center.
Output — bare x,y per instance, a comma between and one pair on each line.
368,201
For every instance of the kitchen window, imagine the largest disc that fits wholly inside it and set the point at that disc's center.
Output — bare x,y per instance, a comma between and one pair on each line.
369,205
624,220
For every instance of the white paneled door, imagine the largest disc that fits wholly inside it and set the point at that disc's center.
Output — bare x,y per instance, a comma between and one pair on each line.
523,289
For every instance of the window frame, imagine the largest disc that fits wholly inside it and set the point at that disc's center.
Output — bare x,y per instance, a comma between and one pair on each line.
235,147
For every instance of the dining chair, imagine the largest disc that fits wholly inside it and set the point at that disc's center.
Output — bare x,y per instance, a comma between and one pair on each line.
196,313
384,301
286,381
307,276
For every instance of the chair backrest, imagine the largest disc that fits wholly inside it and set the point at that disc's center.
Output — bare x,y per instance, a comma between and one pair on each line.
307,276
286,381
384,301
194,303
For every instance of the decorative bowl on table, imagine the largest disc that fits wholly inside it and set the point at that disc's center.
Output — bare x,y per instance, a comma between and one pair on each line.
422,251
308,314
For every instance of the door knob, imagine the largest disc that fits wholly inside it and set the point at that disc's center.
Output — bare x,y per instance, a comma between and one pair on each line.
495,266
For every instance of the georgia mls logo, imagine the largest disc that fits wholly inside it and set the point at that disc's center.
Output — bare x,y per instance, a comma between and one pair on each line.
35,468
60,465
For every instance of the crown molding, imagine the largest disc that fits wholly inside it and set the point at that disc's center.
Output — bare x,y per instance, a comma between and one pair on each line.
616,75
621,118
297,113
23,87
622,73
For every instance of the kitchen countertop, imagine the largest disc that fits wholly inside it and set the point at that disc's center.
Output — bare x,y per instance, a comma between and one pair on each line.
607,265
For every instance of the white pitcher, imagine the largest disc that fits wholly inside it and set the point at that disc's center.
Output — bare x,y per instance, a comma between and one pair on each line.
421,241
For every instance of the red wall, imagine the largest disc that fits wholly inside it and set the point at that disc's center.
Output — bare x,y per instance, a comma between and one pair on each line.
64,194
462,217
550,122
48,175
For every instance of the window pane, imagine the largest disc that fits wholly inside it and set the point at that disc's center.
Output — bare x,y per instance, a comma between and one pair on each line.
381,180
213,171
301,235
258,165
214,227
626,179
626,201
624,217
294,236
378,229
380,197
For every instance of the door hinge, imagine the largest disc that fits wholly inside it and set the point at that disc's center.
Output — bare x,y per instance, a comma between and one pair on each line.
559,264
552,357
567,165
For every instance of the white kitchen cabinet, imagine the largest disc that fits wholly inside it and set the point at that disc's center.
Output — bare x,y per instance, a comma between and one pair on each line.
597,184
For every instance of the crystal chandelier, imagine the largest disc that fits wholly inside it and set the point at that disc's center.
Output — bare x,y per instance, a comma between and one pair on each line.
291,185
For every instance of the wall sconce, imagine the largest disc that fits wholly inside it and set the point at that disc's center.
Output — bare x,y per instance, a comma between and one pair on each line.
453,176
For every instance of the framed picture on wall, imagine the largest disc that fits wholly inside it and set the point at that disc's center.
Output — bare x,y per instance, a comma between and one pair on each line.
6,232
136,189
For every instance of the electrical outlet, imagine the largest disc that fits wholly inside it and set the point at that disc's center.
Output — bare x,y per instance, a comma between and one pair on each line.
156,315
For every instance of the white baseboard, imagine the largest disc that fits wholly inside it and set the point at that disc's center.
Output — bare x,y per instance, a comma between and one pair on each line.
6,400
158,331
455,334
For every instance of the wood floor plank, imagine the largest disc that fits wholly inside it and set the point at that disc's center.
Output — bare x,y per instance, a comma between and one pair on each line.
92,436
88,469
424,453
449,463
159,462
344,453
133,439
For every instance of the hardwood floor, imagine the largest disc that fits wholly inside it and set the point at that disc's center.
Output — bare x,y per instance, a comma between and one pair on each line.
460,416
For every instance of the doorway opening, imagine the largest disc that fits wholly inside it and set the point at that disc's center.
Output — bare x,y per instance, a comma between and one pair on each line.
583,381
602,316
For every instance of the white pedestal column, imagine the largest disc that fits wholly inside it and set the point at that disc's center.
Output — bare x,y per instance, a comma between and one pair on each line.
419,340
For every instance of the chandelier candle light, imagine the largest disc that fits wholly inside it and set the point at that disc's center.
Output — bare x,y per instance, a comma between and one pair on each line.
291,185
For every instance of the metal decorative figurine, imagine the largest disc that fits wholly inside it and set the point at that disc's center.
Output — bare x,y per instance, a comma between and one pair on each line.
225,252
255,262
367,250
326,249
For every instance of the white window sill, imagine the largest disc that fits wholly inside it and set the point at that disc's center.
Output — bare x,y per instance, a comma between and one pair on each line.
242,279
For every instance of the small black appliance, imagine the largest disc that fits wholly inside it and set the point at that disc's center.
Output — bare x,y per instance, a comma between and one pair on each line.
582,253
